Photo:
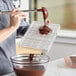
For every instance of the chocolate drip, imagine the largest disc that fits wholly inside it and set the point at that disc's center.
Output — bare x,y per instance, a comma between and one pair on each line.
31,57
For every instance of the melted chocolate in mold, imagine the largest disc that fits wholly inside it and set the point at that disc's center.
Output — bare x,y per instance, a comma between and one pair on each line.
45,30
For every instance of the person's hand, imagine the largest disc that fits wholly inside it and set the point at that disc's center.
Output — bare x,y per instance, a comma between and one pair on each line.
15,18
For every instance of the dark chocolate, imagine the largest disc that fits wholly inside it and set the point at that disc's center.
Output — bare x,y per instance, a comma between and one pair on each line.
29,71
44,30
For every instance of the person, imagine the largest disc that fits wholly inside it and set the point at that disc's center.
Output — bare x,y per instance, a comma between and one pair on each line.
9,23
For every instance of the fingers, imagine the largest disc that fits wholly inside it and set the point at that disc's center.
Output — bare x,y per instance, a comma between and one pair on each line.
18,13
15,17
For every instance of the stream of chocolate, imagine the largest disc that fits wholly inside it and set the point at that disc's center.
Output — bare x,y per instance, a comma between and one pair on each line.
45,29
31,57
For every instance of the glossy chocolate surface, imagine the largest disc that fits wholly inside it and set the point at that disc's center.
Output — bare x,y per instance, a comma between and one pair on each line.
30,71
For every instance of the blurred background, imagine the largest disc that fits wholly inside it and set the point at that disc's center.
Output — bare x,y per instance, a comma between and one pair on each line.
61,12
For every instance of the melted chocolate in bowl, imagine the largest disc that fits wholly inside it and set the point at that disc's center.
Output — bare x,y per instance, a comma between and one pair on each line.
30,71
25,66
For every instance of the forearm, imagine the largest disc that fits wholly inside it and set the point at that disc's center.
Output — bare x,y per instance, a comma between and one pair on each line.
6,32
15,18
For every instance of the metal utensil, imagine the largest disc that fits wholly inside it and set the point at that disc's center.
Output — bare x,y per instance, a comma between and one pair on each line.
7,12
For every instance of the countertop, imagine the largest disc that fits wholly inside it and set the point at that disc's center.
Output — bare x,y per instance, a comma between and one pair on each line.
56,68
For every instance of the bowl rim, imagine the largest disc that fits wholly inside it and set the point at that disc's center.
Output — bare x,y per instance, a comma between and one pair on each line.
15,59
